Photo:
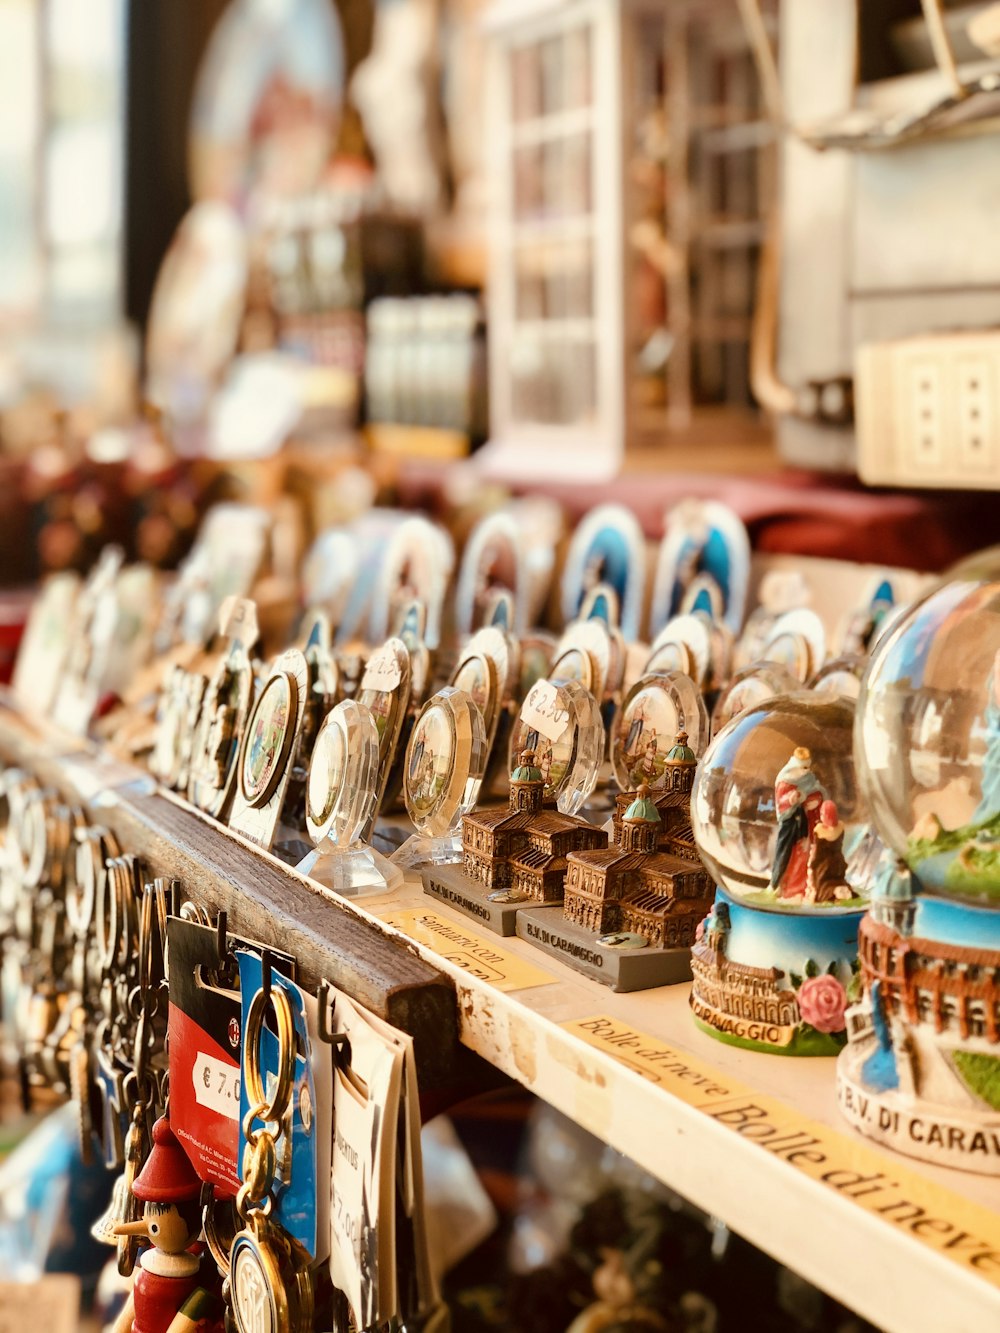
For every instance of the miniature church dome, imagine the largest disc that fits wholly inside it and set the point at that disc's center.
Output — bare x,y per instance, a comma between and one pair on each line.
642,808
680,752
526,770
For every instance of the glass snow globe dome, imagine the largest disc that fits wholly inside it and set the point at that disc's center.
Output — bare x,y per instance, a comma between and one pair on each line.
927,741
776,809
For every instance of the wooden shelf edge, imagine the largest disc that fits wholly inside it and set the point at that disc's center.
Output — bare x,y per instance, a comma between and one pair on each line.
265,900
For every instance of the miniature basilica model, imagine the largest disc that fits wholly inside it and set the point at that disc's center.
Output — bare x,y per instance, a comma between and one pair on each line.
513,854
630,911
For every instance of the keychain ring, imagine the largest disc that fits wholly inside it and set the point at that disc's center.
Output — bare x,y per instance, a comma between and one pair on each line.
275,1108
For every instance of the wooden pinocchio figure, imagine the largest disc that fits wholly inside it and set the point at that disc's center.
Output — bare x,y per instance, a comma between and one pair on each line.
173,1291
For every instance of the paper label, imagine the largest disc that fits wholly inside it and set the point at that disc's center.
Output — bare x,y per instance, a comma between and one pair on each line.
953,1226
52,1303
382,671
216,1085
479,955
363,1175
542,712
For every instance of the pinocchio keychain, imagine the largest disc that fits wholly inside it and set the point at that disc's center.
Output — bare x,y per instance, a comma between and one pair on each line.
175,1288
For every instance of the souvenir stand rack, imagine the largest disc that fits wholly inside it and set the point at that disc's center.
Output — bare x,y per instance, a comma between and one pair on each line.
755,1141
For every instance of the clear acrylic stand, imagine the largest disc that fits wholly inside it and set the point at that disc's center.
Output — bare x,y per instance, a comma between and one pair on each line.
358,871
420,850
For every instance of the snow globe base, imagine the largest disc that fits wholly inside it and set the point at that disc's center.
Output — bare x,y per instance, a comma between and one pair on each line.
774,981
419,850
358,871
921,1071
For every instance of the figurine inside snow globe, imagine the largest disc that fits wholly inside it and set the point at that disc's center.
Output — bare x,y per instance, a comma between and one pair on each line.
776,815
922,1071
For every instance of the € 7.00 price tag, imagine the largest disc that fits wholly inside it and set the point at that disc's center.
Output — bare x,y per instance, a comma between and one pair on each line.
216,1085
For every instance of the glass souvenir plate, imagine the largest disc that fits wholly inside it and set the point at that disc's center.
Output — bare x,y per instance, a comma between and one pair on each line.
343,775
797,640
776,809
705,548
491,560
591,639
841,675
752,685
574,664
445,759
683,638
561,722
269,737
608,546
385,689
656,709
267,99
476,675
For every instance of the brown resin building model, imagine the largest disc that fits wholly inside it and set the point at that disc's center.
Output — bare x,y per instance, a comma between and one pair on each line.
523,846
632,886
672,798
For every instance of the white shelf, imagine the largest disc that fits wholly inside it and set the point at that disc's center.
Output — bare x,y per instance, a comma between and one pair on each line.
903,1282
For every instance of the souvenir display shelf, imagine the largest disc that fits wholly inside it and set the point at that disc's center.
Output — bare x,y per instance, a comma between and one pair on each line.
747,1138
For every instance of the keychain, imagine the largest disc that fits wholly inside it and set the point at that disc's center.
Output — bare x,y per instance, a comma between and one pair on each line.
270,1287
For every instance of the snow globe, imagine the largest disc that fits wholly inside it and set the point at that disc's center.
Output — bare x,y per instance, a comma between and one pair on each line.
776,815
922,1069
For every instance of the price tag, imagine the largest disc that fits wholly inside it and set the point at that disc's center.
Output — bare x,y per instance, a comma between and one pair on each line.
216,1085
383,671
542,711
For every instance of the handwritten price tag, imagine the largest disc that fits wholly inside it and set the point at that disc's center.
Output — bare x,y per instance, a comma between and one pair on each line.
542,711
382,671
216,1085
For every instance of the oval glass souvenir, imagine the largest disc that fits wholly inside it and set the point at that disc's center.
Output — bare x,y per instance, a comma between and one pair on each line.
657,710
705,548
537,651
575,664
609,547
684,638
482,676
603,646
341,795
775,805
928,741
841,675
343,775
560,723
269,736
752,685
194,318
443,771
797,641
385,689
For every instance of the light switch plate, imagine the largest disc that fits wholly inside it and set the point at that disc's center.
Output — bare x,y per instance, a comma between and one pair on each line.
928,411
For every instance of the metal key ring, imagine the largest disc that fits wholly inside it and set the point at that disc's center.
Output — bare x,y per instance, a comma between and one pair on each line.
275,1108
